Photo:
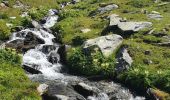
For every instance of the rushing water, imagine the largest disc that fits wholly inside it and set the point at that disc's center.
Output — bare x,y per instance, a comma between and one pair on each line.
44,58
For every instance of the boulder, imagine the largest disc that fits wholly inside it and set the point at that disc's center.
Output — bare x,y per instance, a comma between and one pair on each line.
134,26
85,89
58,90
42,89
36,24
61,97
106,44
32,39
126,26
107,8
114,20
124,61
31,70
155,15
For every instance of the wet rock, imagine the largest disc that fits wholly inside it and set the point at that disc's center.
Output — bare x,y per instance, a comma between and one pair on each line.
107,44
100,96
124,60
31,70
134,26
62,52
61,97
36,24
107,8
53,57
42,89
85,89
32,39
59,88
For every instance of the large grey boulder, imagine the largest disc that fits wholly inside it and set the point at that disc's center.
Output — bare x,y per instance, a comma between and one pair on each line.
107,44
85,89
125,26
107,8
134,26
124,61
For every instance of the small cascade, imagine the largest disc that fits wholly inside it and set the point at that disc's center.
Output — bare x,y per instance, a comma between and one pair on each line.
41,55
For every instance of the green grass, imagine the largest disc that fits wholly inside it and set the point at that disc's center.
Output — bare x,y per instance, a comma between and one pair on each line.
14,84
83,15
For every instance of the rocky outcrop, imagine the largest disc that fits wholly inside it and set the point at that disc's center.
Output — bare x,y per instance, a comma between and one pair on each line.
107,44
155,15
126,26
124,61
107,8
86,90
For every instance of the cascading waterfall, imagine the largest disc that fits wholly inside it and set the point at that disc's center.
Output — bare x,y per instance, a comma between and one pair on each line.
44,57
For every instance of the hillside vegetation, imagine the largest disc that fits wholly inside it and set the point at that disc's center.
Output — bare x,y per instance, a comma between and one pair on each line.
150,70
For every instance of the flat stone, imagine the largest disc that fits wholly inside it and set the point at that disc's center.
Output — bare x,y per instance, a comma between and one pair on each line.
107,44
134,26
107,8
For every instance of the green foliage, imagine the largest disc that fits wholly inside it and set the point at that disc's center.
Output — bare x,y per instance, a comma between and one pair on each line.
4,30
141,3
38,13
78,40
90,64
142,78
14,84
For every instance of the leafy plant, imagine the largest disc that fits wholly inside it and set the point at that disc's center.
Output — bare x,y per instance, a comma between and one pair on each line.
90,64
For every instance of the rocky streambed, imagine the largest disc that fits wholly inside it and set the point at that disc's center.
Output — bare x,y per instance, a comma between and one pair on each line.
42,62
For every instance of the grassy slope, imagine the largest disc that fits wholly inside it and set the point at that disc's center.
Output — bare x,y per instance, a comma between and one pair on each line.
14,84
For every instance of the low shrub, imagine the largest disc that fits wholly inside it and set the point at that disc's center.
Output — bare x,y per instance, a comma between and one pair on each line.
90,64
141,78
38,13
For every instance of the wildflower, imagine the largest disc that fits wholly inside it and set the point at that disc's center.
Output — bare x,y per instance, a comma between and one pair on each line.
95,60
159,72
136,70
146,72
